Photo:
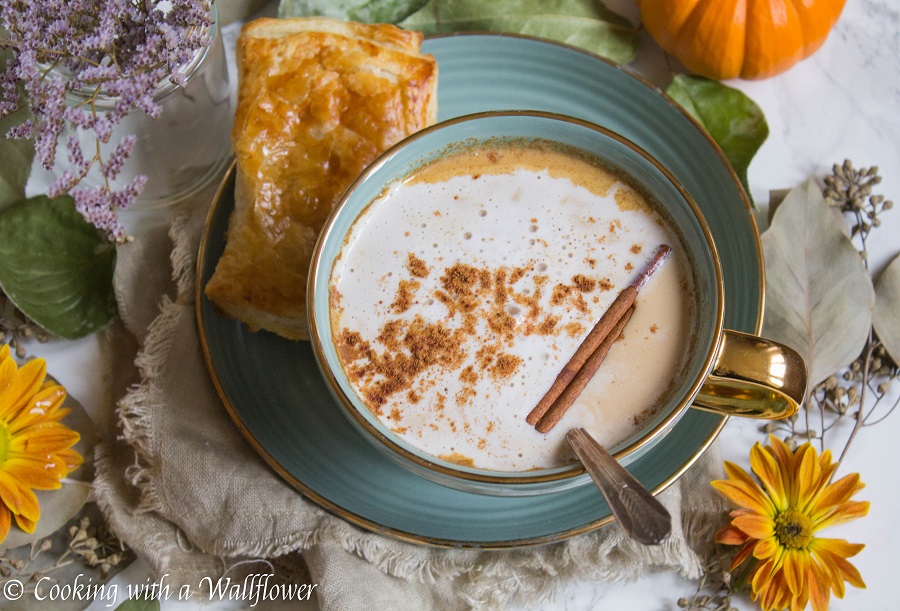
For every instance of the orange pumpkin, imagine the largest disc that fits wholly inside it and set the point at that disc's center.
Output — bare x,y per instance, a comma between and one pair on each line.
750,39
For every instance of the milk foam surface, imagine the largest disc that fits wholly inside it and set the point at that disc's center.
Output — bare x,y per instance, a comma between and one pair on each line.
459,295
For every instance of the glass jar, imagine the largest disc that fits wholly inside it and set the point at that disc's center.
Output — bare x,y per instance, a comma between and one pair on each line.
186,146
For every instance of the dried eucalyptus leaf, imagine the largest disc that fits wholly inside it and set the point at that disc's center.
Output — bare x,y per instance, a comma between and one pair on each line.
55,267
819,296
17,155
887,309
366,11
776,196
588,24
733,120
57,508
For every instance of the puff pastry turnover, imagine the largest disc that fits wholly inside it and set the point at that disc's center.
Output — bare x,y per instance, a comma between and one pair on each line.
318,100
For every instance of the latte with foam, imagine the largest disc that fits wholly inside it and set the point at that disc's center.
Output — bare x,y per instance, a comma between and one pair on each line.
460,293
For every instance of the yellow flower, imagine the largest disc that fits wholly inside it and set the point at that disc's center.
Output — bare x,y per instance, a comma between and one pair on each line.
776,526
35,448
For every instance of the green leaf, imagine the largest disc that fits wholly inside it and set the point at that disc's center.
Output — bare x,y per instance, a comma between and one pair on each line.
366,11
733,120
819,295
583,23
887,309
56,267
16,155
139,604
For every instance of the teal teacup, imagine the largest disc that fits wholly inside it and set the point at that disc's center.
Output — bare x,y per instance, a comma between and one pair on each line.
455,335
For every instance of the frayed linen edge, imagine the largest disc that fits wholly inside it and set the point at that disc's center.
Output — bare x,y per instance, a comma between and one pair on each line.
135,409
529,584
183,258
104,493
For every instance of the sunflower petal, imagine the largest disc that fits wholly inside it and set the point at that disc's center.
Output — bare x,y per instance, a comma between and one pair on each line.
18,498
43,438
755,525
835,494
36,474
842,513
779,595
828,467
763,574
26,524
729,535
782,452
5,516
742,555
849,573
43,406
795,568
24,384
838,547
766,468
831,573
70,458
743,491
766,548
7,367
808,477
819,591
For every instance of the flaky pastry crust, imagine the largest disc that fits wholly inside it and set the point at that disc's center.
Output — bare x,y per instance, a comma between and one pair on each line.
318,100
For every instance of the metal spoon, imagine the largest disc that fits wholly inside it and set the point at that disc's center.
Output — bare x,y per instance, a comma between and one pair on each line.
640,515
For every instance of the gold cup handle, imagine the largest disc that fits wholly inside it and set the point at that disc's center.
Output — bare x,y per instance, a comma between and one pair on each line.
754,377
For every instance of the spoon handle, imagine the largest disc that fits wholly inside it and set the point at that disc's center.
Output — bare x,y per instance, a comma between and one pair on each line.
639,513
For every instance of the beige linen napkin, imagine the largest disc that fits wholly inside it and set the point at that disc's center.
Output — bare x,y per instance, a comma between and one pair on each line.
184,489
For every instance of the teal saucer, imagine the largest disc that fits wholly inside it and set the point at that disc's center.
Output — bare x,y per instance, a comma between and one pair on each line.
274,392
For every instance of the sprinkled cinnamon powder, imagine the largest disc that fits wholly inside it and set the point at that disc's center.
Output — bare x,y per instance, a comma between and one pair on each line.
502,302
465,395
560,292
465,320
517,274
636,248
417,267
547,325
460,279
404,299
574,329
505,366
500,294
468,375
485,355
584,283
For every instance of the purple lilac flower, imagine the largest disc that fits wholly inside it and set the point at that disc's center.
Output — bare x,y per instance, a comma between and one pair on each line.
79,49
114,164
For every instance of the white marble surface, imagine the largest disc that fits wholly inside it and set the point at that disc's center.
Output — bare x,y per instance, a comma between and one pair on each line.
844,102
841,103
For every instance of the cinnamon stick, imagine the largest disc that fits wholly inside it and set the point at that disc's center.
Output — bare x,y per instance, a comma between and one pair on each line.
565,400
595,338
624,300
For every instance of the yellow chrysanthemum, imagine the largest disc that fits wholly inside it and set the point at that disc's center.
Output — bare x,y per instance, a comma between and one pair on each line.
35,448
776,525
